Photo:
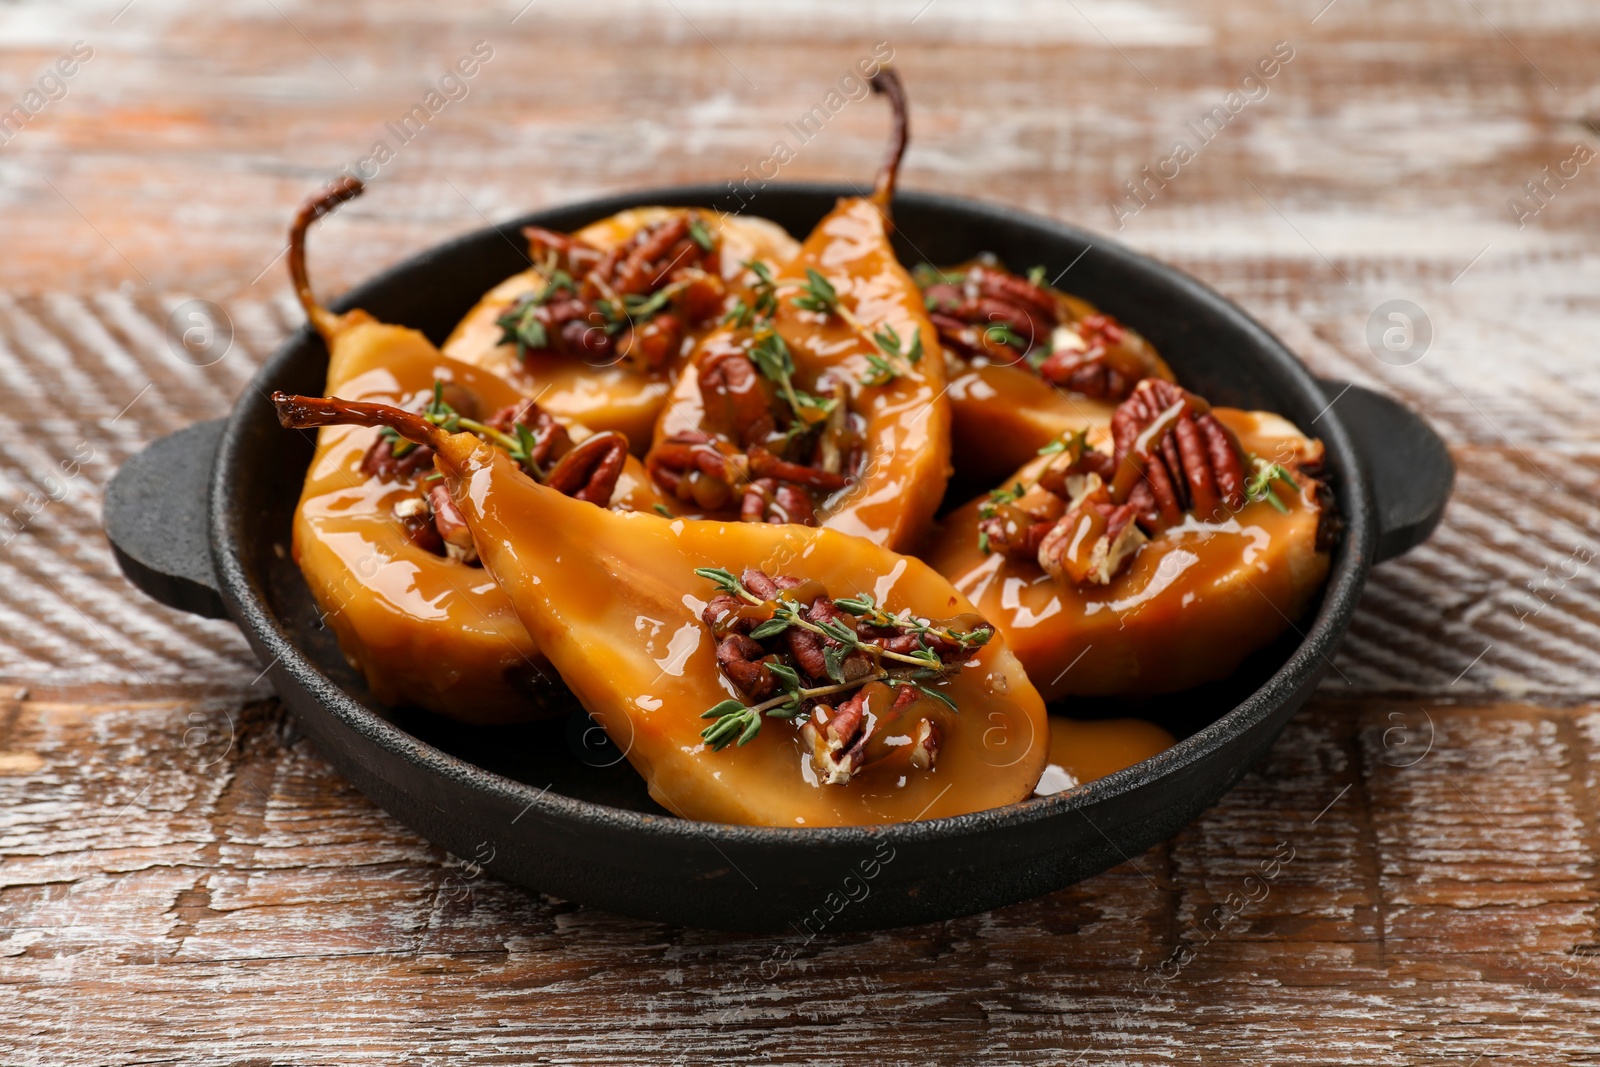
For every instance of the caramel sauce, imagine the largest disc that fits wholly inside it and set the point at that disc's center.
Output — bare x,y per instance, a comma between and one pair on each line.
1002,414
1083,751
613,601
1089,527
1193,603
422,629
907,419
610,397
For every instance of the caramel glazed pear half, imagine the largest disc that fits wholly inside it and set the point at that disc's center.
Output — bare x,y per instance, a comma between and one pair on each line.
821,399
380,541
598,328
1152,557
842,682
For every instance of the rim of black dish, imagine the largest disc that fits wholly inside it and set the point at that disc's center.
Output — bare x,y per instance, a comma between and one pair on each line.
1337,602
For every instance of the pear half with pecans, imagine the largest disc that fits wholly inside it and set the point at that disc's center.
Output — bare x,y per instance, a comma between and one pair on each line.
822,399
1136,569
890,700
380,542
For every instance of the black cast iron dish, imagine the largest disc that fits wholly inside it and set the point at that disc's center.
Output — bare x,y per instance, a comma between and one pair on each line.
554,807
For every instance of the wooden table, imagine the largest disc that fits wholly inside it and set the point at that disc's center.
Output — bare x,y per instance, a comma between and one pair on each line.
185,880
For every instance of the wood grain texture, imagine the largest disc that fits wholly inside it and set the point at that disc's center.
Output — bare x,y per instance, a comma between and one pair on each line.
181,880
187,882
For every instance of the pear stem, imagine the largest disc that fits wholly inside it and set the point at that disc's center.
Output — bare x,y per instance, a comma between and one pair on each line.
887,83
342,189
307,412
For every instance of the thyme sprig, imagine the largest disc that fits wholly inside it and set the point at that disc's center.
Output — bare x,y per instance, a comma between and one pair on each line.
1260,484
764,303
1073,442
772,358
817,294
699,234
998,498
864,607
1001,333
888,340
635,308
737,722
521,325
519,444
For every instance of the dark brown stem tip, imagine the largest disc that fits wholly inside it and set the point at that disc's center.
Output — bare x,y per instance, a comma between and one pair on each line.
307,412
887,83
338,191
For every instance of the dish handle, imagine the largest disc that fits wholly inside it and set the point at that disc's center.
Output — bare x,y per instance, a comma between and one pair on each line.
1408,464
157,518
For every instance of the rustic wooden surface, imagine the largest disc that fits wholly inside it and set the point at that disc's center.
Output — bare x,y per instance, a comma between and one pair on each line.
183,880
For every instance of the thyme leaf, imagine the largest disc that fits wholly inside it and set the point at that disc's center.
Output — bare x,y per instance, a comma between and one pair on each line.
818,294
698,232
1260,485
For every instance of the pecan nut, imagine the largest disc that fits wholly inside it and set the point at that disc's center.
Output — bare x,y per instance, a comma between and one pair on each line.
1098,357
1092,542
1189,460
590,470
992,312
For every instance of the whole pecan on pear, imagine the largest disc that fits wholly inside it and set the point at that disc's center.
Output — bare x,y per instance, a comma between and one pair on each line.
739,402
591,469
1188,459
693,466
992,312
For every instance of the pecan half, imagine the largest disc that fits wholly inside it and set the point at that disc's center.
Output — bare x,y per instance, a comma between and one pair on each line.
740,657
991,312
551,440
452,526
738,401
590,471
570,254
379,461
769,500
691,466
845,740
650,259
415,515
1189,460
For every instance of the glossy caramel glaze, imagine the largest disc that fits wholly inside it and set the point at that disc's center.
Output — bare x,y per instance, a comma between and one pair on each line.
1002,414
613,600
907,419
1083,750
616,396
1191,606
423,630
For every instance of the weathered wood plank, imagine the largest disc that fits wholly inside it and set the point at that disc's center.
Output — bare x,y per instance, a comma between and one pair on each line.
1384,898
182,880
